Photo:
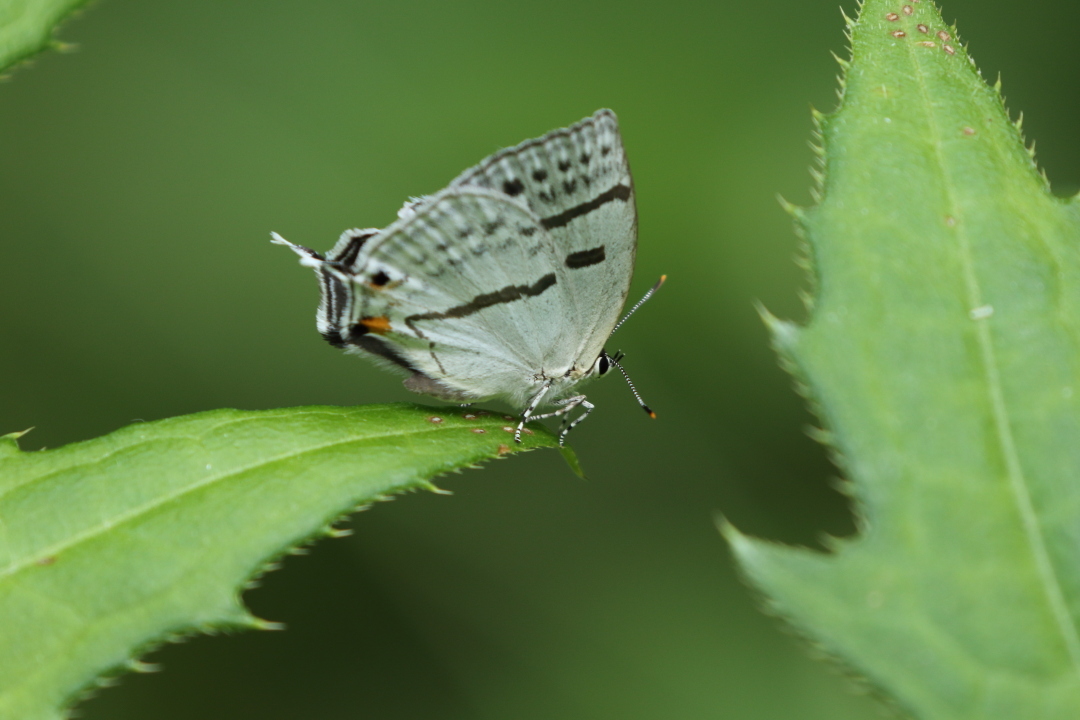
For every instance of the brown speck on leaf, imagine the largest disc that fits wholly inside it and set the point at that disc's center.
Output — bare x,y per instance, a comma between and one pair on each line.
507,417
892,17
45,560
969,130
922,28
479,431
944,35
908,9
899,33
508,428
927,43
950,221
469,416
503,449
434,419
527,431
948,49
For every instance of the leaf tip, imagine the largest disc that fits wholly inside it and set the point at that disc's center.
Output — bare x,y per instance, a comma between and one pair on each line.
257,623
821,435
571,459
724,525
14,436
742,545
832,543
139,666
797,213
432,487
849,22
784,333
9,444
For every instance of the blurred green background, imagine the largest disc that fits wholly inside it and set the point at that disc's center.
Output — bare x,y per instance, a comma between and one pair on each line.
141,175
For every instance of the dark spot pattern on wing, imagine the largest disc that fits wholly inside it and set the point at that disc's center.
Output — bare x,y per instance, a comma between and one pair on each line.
559,170
378,324
585,258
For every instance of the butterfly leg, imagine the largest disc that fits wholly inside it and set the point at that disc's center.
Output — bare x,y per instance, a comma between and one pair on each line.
527,414
589,407
568,404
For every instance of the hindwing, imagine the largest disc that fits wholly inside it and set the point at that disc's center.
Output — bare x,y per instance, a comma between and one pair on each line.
465,291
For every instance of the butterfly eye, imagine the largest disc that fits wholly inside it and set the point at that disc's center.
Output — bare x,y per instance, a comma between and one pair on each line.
602,364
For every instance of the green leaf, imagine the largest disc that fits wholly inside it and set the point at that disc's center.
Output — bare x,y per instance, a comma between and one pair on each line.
942,354
110,546
26,27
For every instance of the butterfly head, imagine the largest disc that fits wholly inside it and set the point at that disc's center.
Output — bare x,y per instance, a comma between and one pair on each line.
603,364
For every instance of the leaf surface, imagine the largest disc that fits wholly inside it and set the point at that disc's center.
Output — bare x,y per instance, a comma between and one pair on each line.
942,356
109,546
26,27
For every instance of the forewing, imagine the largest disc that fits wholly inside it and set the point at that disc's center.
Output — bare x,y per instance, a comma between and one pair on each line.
577,182
465,291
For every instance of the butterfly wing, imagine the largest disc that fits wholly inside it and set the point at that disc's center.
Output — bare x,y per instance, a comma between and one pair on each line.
577,183
463,292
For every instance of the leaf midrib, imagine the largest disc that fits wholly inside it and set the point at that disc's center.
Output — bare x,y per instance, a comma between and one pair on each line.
149,507
1018,484
76,447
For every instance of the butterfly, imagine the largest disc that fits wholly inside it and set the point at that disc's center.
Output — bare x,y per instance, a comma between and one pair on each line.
504,285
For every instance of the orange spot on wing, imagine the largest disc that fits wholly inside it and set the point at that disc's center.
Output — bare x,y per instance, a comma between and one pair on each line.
377,325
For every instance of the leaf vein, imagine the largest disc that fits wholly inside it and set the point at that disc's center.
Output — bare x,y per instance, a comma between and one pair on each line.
1018,483
134,513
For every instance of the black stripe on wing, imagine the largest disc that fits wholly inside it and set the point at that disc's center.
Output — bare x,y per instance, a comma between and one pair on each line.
619,192
347,255
335,300
508,294
382,348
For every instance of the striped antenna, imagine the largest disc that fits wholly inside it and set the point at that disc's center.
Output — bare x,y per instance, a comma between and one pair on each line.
640,302
614,360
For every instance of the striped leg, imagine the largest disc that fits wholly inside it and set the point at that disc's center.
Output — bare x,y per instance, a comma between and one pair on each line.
527,414
568,404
